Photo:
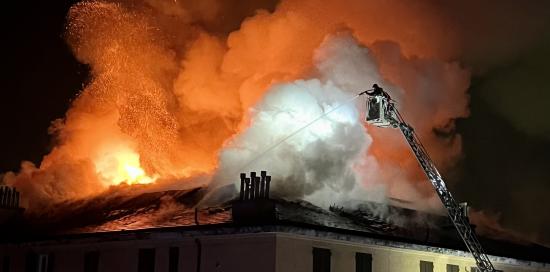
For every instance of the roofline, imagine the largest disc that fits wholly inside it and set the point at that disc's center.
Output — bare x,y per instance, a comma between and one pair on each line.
282,226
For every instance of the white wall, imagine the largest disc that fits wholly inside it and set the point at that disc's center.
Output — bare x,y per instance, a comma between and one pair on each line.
294,254
254,252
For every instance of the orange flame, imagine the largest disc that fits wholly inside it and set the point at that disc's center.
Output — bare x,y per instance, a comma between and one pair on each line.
166,93
122,166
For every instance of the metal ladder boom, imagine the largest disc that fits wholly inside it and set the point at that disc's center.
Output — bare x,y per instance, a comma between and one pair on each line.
454,210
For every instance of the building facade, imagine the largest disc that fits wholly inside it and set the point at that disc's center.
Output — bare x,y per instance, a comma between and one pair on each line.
273,248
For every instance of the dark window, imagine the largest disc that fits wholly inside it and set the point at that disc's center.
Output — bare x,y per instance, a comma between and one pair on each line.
146,260
426,266
452,268
363,262
31,262
6,264
321,260
91,261
51,262
42,263
38,262
173,259
45,263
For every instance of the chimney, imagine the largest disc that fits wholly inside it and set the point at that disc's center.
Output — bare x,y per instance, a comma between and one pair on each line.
257,194
16,199
9,197
247,188
262,184
1,196
267,184
252,185
243,177
254,205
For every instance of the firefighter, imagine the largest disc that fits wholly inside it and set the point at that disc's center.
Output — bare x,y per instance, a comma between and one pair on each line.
376,91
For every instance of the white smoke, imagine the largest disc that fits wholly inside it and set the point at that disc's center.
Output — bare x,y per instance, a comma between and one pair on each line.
320,163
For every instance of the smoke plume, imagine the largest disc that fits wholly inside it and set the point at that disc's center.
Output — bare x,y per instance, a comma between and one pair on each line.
192,92
167,95
330,160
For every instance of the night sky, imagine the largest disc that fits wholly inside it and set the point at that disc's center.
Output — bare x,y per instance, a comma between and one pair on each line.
506,140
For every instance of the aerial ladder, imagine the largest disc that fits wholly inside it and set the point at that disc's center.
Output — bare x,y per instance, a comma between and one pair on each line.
381,112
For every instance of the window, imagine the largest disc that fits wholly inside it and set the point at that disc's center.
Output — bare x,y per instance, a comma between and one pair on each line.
6,264
363,262
91,261
321,259
452,268
39,262
45,262
31,262
426,266
146,260
173,259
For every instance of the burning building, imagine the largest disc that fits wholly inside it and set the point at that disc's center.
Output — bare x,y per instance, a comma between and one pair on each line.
182,97
252,232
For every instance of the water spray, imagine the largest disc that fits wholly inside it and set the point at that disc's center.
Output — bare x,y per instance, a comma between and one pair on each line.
255,159
276,144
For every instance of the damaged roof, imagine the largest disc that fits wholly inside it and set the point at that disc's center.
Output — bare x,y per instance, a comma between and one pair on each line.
134,211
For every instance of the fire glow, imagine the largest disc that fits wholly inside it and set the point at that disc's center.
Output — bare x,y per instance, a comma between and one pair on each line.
121,166
170,101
